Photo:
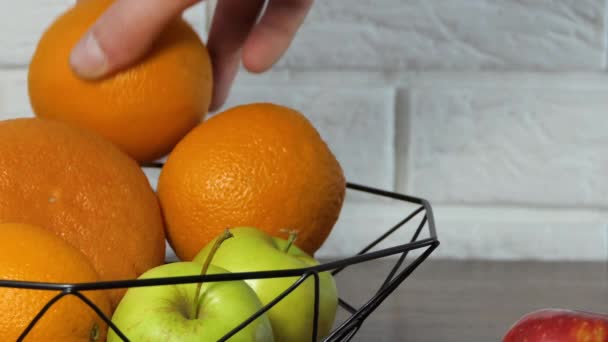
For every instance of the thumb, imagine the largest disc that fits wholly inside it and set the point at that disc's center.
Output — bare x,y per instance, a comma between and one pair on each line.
122,35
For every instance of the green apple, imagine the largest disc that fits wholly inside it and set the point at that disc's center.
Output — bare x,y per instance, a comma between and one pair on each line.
292,318
170,312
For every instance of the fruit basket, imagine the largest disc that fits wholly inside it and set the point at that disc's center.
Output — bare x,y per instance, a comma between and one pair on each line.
405,257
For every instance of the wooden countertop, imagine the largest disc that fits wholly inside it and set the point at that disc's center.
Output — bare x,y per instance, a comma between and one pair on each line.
468,301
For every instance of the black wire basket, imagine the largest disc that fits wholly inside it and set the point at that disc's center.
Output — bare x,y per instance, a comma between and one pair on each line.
423,240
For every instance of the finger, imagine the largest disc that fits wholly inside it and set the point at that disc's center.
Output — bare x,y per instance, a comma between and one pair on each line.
273,34
122,35
232,23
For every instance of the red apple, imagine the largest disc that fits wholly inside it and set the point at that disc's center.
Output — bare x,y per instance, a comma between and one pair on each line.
559,325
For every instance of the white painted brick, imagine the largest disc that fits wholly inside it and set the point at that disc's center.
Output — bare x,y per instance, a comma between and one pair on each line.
25,21
362,222
508,145
14,101
477,233
519,234
562,80
357,124
456,34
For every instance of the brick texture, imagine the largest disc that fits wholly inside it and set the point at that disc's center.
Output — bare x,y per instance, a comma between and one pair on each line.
454,34
507,145
14,101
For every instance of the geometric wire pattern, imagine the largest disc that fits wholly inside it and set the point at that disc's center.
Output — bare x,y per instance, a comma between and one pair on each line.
344,332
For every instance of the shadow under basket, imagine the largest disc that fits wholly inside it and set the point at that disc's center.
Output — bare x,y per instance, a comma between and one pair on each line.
419,244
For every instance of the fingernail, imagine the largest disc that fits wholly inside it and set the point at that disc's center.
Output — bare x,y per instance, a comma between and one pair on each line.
88,59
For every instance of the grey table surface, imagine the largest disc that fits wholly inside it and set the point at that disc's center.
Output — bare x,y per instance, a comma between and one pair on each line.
470,300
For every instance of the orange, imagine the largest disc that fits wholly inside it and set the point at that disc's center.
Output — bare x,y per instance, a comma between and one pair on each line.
145,109
31,253
85,190
260,165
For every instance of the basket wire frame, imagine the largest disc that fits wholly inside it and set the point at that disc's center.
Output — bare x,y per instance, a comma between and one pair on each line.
343,332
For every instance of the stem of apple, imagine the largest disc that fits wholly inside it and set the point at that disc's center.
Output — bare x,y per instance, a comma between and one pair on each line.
218,242
293,235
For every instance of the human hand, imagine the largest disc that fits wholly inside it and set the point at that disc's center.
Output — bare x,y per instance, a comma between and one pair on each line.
128,28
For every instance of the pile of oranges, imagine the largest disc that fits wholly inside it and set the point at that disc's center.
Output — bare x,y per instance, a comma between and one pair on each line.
75,205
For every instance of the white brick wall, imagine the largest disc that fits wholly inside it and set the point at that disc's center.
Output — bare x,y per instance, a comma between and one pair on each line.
13,93
455,34
22,23
493,110
509,145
